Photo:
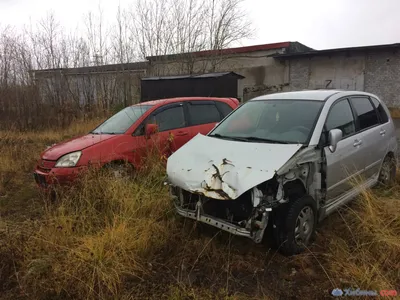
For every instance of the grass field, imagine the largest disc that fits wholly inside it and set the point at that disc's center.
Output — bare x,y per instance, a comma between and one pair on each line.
115,239
394,112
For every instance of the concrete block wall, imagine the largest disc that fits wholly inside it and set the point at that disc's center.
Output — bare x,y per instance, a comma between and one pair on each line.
299,73
382,76
377,72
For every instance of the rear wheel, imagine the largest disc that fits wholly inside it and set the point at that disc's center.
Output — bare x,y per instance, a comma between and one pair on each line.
294,225
387,174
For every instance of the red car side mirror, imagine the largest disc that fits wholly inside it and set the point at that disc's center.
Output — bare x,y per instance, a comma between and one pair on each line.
151,129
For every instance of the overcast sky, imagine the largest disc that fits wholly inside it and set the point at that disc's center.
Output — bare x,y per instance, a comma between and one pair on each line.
315,23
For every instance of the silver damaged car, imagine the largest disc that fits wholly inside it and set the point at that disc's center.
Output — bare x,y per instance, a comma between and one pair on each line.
284,162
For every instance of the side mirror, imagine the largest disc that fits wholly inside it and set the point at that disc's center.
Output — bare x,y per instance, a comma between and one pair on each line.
150,129
335,135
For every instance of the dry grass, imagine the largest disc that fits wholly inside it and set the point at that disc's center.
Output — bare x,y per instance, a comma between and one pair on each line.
365,245
103,231
20,150
394,112
118,239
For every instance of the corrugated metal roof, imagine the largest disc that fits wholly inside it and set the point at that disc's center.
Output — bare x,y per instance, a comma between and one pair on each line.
194,76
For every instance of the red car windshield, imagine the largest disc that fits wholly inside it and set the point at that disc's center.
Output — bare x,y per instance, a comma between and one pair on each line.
122,121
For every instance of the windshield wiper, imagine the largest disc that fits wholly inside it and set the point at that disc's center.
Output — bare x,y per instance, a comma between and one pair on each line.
104,132
235,138
258,139
248,139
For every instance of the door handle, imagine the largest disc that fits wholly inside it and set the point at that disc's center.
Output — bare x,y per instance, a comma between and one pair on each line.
357,143
382,132
181,133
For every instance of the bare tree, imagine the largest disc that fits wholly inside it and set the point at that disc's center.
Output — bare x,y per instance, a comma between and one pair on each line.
123,47
146,28
227,25
163,27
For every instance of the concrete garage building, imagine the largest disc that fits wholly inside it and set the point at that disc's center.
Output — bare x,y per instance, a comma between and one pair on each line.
374,69
120,83
265,69
106,85
261,72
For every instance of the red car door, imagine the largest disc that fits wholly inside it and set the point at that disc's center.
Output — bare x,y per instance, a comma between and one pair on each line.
203,115
173,132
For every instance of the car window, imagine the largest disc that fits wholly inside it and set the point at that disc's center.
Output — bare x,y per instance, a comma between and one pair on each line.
271,121
365,112
122,121
203,113
381,111
170,118
224,108
341,117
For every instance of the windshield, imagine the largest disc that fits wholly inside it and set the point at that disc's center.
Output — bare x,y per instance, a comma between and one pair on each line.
122,121
272,121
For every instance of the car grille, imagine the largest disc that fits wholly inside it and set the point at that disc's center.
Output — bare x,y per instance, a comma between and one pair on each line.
40,179
46,165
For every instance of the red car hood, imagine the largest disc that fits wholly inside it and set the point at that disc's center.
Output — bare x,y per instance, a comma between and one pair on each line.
75,144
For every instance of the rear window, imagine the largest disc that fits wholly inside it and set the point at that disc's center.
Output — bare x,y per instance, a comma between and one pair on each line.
224,108
381,111
367,116
203,113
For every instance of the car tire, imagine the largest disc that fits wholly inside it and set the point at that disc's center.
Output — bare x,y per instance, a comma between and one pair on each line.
294,225
120,170
387,174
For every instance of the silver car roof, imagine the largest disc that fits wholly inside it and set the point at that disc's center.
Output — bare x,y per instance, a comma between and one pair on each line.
317,95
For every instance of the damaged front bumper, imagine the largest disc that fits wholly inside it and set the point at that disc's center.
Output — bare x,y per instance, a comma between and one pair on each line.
252,228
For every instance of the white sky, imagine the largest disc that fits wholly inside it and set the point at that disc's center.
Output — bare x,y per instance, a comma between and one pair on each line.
316,23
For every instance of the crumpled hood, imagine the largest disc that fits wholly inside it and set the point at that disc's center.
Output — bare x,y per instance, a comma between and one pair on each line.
75,144
224,169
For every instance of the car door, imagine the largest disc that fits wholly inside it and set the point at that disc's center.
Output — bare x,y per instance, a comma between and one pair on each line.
385,130
368,124
202,116
173,132
345,162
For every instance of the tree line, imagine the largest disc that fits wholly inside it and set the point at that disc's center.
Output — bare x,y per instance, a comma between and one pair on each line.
145,28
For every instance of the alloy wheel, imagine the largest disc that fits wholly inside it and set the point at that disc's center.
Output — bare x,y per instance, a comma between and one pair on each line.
304,226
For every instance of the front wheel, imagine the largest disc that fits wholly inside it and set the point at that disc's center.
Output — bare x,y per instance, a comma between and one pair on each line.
294,225
120,170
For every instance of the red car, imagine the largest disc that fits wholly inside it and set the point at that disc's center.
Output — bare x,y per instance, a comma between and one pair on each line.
129,134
